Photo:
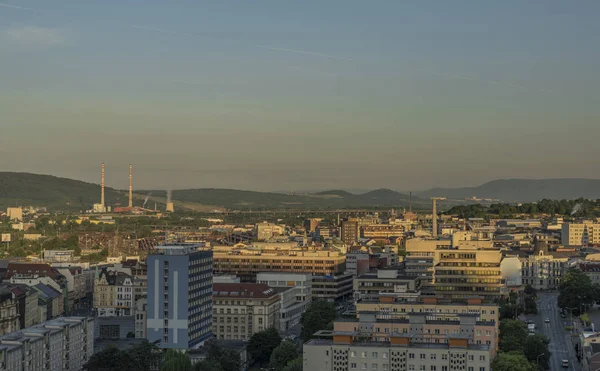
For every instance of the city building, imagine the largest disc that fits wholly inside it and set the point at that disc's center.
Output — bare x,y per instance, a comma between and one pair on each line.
347,351
357,262
265,230
370,286
544,269
9,311
294,301
180,295
581,234
52,302
461,267
113,294
349,231
246,263
15,214
241,309
65,343
311,224
433,328
332,287
323,233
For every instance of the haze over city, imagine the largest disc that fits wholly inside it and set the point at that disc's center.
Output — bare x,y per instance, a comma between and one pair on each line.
306,95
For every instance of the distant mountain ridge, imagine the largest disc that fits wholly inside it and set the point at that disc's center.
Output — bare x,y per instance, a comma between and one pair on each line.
25,189
523,190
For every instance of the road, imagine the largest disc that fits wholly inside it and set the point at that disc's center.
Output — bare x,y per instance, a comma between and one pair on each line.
560,342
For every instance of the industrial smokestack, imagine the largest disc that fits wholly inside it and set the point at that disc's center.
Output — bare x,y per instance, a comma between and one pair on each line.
434,216
130,186
410,201
102,187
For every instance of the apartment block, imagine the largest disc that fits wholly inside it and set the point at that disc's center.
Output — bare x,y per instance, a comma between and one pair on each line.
370,286
247,263
113,294
65,343
332,288
350,231
241,309
295,297
581,234
347,352
180,296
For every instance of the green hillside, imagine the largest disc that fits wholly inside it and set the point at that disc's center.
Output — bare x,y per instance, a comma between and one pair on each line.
25,189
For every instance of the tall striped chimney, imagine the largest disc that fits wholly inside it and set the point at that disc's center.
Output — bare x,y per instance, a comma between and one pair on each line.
130,186
102,187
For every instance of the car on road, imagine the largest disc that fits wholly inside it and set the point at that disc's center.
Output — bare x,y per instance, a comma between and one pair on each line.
565,363
547,320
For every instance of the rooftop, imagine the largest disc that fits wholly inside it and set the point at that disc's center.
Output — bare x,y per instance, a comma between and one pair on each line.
245,290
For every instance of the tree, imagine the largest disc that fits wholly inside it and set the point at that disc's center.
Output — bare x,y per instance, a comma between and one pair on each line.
530,305
319,316
286,351
176,361
576,291
228,360
511,362
513,334
208,365
146,355
536,350
530,291
110,359
294,365
262,344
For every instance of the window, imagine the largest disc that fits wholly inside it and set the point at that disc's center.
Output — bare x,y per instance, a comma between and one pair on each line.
374,366
374,355
433,368
352,365
471,357
481,368
482,358
422,355
471,368
363,366
478,333
352,354
384,366
363,354
422,368
384,355
445,357
433,356
488,333
411,367
411,355
444,368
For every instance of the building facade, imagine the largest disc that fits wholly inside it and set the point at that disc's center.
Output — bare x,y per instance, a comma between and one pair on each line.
248,263
242,309
180,296
295,300
65,343
332,287
581,234
346,352
349,231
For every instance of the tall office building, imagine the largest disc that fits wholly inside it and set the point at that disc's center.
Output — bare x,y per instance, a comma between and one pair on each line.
350,231
179,296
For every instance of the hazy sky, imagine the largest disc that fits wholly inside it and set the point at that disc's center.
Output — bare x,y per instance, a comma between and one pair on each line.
300,95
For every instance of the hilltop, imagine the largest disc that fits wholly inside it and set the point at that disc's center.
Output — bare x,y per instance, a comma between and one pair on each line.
25,189
524,190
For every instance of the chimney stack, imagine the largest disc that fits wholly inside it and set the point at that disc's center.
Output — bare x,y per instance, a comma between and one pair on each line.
434,216
102,187
130,186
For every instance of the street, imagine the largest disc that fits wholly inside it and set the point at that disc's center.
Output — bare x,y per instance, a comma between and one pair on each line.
560,343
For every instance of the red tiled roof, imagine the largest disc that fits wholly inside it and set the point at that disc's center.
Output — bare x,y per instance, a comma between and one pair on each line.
43,270
243,290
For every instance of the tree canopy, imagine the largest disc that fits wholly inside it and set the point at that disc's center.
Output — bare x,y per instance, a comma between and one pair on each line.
139,357
319,316
262,344
284,353
536,350
576,290
294,365
512,362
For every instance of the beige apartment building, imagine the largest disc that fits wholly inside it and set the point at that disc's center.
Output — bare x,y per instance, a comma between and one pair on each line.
370,286
241,309
347,352
581,234
463,267
435,328
246,263
388,307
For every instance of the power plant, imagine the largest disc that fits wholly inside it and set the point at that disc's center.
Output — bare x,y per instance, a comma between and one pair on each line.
101,207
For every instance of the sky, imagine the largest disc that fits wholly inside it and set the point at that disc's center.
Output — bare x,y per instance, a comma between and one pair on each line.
300,95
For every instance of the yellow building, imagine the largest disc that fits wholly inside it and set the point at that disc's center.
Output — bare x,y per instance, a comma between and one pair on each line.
581,234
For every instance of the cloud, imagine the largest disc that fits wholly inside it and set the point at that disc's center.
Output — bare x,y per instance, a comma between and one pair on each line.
32,36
